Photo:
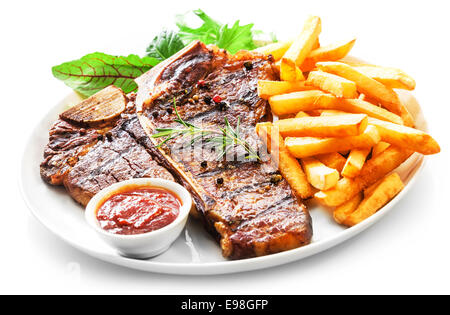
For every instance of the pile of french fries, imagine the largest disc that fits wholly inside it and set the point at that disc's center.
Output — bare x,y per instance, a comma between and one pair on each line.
342,129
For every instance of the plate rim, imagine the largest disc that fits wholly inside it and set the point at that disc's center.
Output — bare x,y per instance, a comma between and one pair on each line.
222,267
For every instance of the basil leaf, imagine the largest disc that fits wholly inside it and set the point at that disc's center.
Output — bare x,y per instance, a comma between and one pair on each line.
212,32
96,71
166,44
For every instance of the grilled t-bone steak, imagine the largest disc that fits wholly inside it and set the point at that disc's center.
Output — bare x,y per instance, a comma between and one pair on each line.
87,154
245,203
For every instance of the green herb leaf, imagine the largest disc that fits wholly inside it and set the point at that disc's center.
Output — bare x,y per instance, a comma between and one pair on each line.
206,33
212,32
236,38
96,71
166,44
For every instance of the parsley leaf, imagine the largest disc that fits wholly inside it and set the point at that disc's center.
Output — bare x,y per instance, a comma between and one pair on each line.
165,45
95,71
232,38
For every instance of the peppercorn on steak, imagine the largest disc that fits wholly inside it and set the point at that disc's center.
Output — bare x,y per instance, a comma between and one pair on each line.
200,108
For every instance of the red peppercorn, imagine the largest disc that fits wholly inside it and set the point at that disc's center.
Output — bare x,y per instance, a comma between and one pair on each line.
217,99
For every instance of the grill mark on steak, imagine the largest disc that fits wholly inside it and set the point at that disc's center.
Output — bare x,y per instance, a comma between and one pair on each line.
209,114
279,204
218,168
248,188
112,160
67,143
109,153
249,215
87,159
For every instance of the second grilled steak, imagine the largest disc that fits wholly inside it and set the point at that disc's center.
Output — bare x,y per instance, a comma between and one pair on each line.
245,203
120,155
86,159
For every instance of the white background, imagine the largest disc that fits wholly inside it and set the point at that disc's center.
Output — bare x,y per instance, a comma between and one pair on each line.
407,252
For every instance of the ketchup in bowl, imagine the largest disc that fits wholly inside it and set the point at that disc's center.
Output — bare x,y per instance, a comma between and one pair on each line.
138,210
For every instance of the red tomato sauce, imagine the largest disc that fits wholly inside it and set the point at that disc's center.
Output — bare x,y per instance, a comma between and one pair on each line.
138,211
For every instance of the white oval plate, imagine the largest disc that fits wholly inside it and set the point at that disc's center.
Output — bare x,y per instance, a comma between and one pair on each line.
194,252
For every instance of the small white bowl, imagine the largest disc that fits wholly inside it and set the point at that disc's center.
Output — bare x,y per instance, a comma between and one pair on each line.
148,244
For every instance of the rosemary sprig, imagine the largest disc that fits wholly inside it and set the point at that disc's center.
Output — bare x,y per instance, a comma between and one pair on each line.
224,138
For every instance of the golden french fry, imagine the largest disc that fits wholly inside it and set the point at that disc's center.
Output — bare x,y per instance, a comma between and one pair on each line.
332,160
319,175
268,88
307,146
301,114
298,73
370,87
389,187
380,147
316,44
290,72
333,84
331,112
343,211
342,126
351,61
289,166
300,49
365,84
292,103
363,107
391,77
373,170
369,190
355,162
406,137
331,52
277,50
357,105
